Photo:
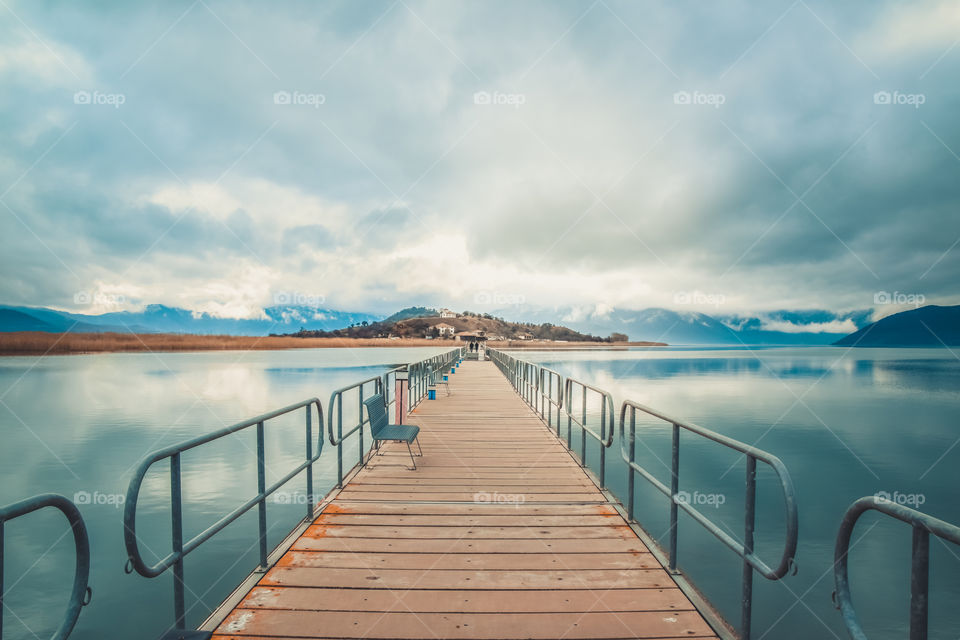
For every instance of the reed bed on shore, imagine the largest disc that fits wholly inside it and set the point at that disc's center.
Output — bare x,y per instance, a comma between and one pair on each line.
38,343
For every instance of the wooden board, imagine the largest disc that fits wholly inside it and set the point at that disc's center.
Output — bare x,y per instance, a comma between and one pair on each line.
498,534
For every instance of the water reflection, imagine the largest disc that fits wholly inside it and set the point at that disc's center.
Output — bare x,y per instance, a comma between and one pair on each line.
847,423
78,425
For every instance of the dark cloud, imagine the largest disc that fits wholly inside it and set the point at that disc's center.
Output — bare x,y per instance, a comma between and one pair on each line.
597,173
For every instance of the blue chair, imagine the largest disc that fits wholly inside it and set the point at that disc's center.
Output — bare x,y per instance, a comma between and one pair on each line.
382,430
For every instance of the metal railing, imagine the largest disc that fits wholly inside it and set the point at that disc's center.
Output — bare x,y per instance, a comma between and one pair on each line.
605,437
418,372
335,415
923,525
576,401
181,549
550,385
81,593
422,373
744,549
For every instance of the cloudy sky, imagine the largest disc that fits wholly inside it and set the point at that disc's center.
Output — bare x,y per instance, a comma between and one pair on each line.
377,154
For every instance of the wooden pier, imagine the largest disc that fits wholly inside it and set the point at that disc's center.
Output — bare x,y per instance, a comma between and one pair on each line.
498,534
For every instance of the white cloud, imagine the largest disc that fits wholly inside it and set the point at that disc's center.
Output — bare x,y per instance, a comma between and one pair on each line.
834,326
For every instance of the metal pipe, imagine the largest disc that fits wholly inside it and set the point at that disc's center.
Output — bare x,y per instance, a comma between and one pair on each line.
308,445
674,498
176,521
750,505
262,490
919,583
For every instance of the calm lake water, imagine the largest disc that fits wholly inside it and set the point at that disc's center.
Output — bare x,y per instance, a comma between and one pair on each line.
80,424
846,424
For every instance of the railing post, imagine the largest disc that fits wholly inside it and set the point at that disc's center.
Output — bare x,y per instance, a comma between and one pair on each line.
309,449
360,421
633,457
603,449
750,502
339,401
176,521
919,582
262,504
583,428
674,489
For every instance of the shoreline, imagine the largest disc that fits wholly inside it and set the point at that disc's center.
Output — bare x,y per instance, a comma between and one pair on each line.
38,343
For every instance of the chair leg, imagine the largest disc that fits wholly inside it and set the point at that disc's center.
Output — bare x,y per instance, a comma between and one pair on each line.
412,461
417,440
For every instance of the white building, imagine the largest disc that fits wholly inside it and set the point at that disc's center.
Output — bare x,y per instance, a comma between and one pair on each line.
445,329
446,313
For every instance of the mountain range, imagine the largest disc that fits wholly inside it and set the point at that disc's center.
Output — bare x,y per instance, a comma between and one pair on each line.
927,326
156,318
692,327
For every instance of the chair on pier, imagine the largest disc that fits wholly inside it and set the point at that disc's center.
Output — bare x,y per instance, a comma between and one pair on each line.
382,430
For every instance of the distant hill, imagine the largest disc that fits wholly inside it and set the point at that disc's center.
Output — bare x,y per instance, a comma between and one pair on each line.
430,326
156,318
15,320
412,312
929,326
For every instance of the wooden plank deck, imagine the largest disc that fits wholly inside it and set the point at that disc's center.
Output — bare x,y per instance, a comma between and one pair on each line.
497,534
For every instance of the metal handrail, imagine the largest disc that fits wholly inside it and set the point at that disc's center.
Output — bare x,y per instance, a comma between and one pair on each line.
607,410
81,594
547,382
923,525
420,374
335,408
180,550
751,562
